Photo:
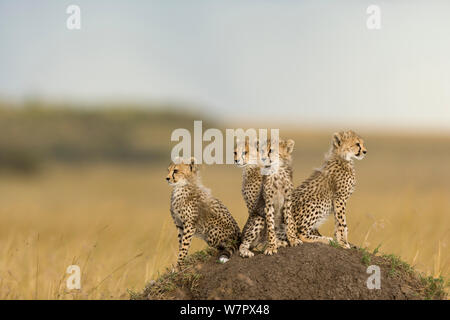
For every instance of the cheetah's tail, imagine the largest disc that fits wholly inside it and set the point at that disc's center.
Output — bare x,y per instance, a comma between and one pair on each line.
228,248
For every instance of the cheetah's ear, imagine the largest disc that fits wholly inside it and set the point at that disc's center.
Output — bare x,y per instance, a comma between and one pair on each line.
177,160
256,144
337,139
290,145
193,165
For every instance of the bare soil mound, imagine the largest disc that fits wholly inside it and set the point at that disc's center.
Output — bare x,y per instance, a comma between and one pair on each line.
309,271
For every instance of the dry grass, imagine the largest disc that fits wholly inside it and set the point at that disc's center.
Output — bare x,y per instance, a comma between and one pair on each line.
113,220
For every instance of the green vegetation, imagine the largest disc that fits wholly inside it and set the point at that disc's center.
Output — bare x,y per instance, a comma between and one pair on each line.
434,287
397,264
375,251
366,258
334,244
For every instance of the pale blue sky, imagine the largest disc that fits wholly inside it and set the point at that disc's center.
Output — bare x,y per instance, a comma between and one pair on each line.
310,62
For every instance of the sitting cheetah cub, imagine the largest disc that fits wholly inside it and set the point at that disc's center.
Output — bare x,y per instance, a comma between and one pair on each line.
276,188
196,212
251,173
328,189
254,231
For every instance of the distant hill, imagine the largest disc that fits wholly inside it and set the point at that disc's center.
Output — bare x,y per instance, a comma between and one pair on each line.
34,133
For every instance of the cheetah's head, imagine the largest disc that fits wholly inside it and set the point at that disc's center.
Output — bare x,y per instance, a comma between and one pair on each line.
181,171
348,145
245,153
276,152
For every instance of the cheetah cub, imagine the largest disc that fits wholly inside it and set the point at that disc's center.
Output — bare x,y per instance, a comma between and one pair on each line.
328,189
251,173
254,231
196,212
276,187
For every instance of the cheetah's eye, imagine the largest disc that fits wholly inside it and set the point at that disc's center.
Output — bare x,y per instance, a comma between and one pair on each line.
358,145
175,171
235,153
245,153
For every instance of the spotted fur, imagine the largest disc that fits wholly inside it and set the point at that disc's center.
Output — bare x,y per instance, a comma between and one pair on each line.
266,222
327,190
196,212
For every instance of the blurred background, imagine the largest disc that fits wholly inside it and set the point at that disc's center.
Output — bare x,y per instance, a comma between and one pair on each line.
86,118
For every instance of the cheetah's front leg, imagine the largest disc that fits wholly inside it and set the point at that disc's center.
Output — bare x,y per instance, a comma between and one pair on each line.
340,223
271,235
290,223
282,240
180,236
186,239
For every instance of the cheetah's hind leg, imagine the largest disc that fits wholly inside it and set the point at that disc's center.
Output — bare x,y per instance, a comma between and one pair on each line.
251,235
315,232
311,237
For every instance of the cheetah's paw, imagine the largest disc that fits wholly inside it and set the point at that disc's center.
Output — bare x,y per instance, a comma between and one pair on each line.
282,243
295,242
245,253
270,250
345,245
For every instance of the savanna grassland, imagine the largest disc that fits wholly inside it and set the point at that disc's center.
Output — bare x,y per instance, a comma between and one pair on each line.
88,188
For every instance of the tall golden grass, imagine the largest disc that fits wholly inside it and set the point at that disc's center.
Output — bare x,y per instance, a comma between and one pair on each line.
114,222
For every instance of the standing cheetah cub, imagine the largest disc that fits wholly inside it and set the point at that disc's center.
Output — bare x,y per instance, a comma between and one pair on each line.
196,212
328,189
254,231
